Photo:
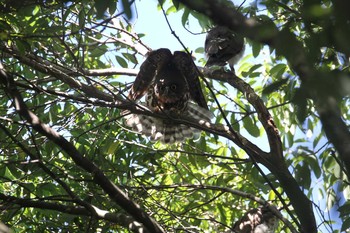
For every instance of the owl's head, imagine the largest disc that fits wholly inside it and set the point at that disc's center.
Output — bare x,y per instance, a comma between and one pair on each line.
170,85
169,91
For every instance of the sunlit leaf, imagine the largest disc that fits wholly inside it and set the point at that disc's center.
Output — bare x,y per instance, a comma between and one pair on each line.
251,127
184,17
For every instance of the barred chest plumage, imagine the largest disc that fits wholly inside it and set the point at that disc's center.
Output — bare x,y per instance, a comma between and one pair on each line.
177,108
171,86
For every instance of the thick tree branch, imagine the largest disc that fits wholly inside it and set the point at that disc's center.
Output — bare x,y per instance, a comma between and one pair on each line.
263,114
273,160
114,192
335,128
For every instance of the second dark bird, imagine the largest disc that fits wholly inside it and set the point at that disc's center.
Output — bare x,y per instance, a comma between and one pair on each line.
222,46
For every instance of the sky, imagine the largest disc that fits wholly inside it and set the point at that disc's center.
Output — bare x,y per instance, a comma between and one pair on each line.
158,34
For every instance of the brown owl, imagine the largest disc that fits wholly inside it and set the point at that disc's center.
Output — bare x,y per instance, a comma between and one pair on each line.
259,220
223,46
171,86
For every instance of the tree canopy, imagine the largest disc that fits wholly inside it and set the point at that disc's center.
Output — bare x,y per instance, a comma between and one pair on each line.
279,137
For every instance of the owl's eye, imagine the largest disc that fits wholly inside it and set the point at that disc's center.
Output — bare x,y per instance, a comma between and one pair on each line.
161,88
173,87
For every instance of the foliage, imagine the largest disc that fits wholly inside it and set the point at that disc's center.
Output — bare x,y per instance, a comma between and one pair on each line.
72,62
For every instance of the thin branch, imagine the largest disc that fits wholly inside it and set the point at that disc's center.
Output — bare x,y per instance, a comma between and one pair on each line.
111,71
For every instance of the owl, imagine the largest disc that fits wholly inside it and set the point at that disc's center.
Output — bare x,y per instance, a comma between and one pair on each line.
259,220
223,46
171,87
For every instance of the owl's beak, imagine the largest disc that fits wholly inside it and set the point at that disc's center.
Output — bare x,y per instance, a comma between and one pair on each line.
166,90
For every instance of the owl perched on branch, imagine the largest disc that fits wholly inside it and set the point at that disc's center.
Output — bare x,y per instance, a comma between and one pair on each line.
259,220
171,86
222,46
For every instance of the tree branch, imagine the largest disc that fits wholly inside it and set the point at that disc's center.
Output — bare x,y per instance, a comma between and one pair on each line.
273,160
111,71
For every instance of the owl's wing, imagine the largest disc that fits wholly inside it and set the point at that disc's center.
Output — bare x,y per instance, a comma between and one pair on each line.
185,64
148,70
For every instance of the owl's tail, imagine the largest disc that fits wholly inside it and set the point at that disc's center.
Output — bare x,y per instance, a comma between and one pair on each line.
166,130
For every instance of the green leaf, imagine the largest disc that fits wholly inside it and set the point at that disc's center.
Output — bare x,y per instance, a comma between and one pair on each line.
331,199
81,19
290,139
161,2
112,7
278,70
171,9
112,148
5,172
127,8
199,50
256,48
99,51
314,166
101,7
251,127
254,67
300,102
36,10
344,210
176,3
23,46
303,175
130,57
223,213
274,86
184,17
121,62
346,225
47,189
